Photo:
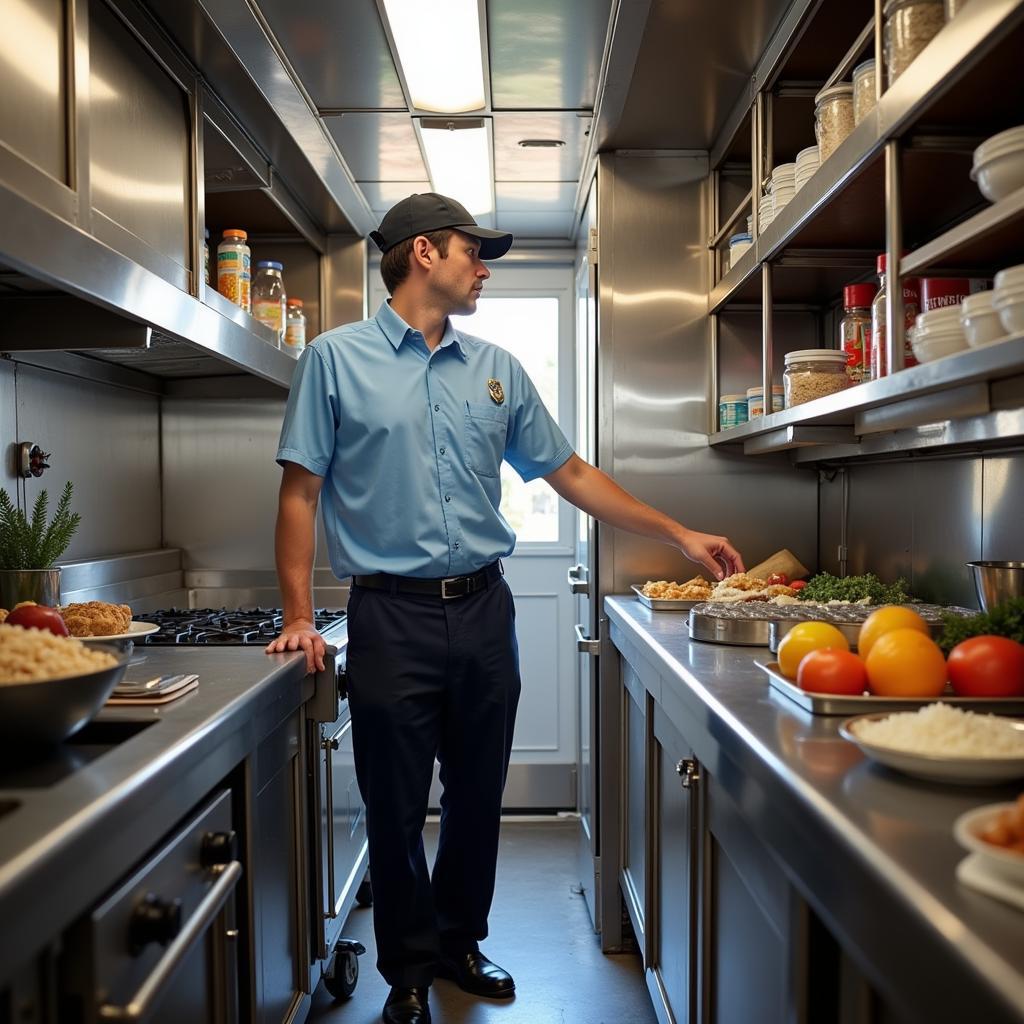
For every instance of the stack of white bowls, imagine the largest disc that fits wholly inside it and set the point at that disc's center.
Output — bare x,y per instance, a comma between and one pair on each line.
980,320
1008,298
765,212
807,162
938,333
783,185
999,164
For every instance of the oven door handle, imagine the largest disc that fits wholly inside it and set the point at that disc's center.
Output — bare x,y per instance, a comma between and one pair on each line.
141,1004
329,746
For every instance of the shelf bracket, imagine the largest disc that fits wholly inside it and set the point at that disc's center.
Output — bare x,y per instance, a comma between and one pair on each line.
955,403
786,438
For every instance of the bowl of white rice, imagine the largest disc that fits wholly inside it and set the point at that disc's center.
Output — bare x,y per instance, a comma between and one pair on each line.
50,686
942,743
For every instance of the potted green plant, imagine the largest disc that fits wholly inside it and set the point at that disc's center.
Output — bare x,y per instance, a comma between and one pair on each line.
30,547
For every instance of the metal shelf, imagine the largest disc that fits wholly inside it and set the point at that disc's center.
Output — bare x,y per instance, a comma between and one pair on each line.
926,394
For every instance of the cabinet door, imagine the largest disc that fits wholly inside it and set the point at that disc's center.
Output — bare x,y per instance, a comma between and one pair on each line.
752,946
672,875
276,874
634,802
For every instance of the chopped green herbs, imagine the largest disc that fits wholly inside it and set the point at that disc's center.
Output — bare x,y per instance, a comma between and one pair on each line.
825,587
1006,620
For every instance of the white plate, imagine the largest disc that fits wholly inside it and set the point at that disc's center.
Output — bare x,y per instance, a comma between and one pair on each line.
1006,864
961,771
135,630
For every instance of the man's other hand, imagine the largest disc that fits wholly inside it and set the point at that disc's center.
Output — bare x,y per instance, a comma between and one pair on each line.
301,635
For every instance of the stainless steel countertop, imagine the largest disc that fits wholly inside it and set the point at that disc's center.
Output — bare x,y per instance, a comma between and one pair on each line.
69,842
871,850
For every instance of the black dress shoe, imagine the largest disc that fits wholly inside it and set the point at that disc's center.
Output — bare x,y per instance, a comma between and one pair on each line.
406,1006
473,972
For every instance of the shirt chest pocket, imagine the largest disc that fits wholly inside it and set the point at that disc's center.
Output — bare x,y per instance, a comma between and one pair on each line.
485,430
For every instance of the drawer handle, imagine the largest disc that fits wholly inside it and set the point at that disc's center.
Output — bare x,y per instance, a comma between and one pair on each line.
141,1004
577,585
688,772
584,644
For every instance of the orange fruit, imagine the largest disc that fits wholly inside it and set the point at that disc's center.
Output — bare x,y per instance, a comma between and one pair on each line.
906,663
885,620
803,638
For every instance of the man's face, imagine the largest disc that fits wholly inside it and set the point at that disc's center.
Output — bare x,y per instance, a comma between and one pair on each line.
457,280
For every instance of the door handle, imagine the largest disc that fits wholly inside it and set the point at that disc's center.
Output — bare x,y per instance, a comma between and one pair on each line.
576,584
584,644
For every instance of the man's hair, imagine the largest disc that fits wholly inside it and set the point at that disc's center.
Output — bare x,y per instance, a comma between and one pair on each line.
394,264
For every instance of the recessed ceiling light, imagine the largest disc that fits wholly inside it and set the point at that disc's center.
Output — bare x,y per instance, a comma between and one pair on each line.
541,143
439,48
458,153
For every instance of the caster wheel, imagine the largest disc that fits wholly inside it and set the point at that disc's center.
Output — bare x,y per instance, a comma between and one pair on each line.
364,894
342,973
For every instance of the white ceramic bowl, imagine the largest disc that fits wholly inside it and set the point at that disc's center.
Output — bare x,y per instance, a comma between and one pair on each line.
967,829
783,171
1000,176
1009,304
996,145
932,345
809,155
943,318
1010,278
980,321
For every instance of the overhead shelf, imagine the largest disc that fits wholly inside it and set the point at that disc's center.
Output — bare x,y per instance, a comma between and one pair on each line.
930,393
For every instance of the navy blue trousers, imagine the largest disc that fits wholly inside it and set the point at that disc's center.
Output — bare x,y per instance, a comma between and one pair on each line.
430,679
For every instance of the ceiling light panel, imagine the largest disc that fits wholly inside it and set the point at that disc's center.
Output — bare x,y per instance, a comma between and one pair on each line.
440,52
459,162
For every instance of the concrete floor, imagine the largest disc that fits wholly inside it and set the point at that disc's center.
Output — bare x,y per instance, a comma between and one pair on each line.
539,931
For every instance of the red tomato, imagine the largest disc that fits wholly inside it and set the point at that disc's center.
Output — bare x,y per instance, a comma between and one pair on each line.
39,616
798,584
987,666
777,579
830,670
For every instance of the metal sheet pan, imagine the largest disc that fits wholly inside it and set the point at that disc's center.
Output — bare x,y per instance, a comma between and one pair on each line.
835,704
661,604
741,632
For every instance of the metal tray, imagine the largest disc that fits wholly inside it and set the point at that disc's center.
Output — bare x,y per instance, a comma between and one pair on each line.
661,604
741,632
836,704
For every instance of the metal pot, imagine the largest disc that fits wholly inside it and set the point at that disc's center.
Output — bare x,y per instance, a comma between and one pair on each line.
39,585
996,582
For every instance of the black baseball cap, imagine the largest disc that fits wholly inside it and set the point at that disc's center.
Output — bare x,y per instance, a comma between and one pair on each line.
424,212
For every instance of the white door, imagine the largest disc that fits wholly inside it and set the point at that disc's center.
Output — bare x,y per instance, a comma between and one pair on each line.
529,310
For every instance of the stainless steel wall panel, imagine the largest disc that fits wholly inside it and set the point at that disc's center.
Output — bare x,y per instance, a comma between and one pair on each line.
139,139
739,353
221,482
8,429
378,146
345,285
107,441
830,521
340,51
33,116
947,503
559,68
881,521
1003,502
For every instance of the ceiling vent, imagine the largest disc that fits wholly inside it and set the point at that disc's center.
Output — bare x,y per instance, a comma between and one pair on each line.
541,143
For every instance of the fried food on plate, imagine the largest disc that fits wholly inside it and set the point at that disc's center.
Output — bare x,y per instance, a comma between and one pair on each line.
3,614
96,618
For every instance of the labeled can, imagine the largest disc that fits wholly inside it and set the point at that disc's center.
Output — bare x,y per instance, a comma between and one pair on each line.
234,270
938,292
755,400
732,411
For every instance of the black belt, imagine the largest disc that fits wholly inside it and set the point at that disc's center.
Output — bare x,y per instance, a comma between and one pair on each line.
446,589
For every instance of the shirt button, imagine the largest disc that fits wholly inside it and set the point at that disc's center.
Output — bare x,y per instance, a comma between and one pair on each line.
441,450
456,545
447,497
437,408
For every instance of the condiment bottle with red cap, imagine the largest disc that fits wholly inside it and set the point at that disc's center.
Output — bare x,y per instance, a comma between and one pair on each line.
911,307
855,330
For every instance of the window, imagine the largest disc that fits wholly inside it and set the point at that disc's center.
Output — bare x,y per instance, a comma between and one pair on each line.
528,328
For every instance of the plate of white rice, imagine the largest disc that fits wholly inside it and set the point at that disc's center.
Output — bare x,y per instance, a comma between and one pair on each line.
942,743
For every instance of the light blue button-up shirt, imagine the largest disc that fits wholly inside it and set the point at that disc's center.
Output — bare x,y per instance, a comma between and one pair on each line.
410,442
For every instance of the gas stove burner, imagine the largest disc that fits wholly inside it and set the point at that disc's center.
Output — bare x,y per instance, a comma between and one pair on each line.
226,626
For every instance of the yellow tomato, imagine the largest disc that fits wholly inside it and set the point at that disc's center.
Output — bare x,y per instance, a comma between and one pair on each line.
803,638
906,663
885,620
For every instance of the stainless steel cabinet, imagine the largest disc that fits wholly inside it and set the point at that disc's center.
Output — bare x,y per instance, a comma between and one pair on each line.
635,788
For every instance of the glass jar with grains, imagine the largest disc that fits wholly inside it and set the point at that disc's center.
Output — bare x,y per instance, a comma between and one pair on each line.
833,117
234,271
813,373
268,297
863,90
295,329
910,25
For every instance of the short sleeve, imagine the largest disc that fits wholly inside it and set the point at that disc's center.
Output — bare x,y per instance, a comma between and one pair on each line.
535,445
311,416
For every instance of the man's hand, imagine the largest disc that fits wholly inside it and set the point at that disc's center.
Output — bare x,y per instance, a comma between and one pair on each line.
716,554
301,635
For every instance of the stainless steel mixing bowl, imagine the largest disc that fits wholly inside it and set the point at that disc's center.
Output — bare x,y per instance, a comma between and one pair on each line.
996,582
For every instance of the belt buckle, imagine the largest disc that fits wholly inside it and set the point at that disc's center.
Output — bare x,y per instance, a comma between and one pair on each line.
445,596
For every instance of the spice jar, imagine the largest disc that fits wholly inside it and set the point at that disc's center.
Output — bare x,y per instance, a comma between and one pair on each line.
863,90
295,329
268,298
234,273
911,307
732,411
855,330
833,118
813,373
910,25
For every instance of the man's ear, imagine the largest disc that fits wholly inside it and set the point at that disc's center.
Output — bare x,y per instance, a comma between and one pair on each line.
422,251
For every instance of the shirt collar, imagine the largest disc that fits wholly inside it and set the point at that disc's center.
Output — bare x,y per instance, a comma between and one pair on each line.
396,330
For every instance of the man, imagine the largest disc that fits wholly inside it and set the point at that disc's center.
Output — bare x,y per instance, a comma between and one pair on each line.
404,421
